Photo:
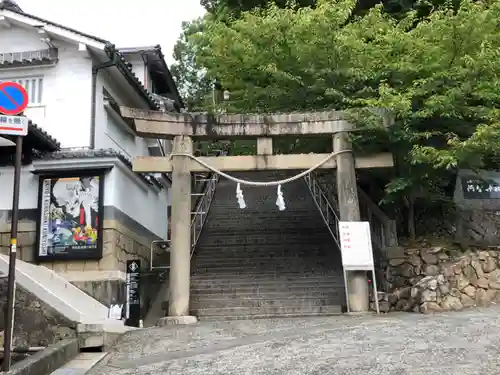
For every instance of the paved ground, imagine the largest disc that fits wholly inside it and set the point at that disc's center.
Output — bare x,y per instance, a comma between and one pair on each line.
455,343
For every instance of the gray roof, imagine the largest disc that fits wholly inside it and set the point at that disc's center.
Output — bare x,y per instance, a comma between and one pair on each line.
66,154
10,5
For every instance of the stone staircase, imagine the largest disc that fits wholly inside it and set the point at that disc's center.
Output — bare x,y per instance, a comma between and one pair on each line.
261,262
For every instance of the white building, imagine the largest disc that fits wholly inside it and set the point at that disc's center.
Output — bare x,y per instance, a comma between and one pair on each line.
76,83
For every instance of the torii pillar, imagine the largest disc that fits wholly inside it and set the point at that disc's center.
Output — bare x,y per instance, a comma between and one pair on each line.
347,188
180,249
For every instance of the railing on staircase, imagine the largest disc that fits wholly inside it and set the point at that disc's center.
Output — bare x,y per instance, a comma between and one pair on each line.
201,210
328,208
204,198
383,229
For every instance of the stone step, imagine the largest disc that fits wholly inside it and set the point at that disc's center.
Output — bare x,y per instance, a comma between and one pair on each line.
236,258
248,284
215,244
264,240
232,313
252,289
313,231
248,254
271,276
243,255
218,214
245,233
307,229
296,265
252,269
272,291
228,257
300,302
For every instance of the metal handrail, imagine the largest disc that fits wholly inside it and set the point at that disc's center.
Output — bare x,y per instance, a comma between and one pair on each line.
201,211
152,250
325,207
382,228
200,215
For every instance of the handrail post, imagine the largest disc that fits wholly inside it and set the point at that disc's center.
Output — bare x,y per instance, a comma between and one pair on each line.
391,234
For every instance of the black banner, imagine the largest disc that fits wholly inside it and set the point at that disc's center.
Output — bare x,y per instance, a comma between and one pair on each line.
133,312
475,187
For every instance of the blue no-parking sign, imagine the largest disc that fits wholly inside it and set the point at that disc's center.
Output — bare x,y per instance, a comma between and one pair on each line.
13,101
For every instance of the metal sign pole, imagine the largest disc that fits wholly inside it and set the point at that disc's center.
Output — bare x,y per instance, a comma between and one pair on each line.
346,291
13,101
375,291
357,254
11,286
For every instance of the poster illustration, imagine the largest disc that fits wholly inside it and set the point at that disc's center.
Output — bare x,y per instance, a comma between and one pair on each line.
70,218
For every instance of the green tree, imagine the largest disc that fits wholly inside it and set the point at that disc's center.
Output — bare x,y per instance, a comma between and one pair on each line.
188,74
437,78
234,8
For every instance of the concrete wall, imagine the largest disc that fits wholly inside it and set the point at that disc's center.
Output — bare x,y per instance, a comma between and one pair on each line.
110,134
65,109
140,70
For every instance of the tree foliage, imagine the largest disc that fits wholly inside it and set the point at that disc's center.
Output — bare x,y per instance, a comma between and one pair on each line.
437,76
189,75
234,8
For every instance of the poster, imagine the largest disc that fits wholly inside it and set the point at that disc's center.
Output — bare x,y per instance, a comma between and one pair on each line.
70,217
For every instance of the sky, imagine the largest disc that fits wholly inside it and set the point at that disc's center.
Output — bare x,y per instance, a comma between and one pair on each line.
126,23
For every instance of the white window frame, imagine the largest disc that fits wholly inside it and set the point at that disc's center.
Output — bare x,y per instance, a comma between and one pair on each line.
35,97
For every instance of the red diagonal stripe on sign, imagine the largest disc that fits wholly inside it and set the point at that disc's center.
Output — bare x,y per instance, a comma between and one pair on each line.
9,97
10,128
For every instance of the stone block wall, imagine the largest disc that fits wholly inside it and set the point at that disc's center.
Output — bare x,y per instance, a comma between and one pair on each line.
431,278
478,227
120,244
35,323
103,279
26,240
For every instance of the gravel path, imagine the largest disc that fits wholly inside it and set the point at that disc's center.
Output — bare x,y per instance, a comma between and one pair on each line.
462,343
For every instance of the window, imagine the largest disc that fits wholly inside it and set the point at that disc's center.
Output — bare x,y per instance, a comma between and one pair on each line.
34,87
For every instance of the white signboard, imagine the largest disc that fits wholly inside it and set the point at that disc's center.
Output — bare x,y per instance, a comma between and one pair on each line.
13,125
356,245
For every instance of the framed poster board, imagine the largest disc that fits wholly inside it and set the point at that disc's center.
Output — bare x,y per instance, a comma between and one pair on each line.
70,209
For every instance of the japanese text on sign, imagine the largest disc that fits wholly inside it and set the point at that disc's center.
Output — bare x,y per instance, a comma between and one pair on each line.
478,188
13,125
355,245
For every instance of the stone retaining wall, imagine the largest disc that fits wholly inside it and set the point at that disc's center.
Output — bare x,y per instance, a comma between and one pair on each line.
103,279
431,278
35,323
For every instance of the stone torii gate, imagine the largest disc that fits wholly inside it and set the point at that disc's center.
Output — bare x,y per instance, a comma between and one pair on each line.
183,128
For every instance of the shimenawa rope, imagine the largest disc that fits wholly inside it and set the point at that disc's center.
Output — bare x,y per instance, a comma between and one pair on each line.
239,193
